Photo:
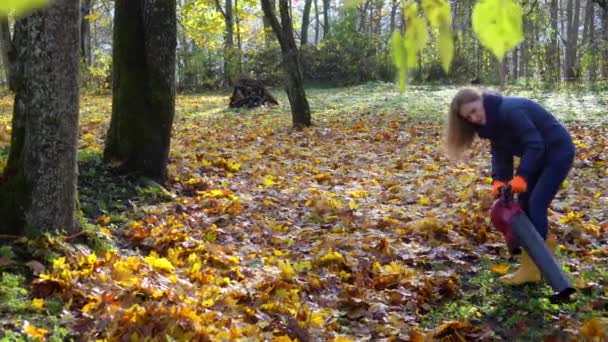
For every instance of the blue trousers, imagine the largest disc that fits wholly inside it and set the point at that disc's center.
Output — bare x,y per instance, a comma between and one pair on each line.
544,184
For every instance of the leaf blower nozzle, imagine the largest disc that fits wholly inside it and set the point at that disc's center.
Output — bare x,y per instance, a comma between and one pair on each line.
508,218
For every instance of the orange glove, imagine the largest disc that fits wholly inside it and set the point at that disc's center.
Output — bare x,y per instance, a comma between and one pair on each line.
518,184
496,185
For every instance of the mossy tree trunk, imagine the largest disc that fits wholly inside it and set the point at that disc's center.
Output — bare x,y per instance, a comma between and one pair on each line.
305,22
300,110
143,90
38,186
85,33
6,49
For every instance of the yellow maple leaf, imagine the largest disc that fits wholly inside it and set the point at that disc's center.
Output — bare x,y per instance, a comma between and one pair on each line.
104,220
424,200
502,268
38,303
287,271
269,180
571,217
317,318
284,338
333,257
162,264
34,332
595,328
359,194
340,338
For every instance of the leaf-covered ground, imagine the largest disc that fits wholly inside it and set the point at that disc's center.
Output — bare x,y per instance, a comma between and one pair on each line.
356,229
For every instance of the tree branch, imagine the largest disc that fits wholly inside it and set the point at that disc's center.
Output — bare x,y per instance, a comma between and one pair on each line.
532,8
269,14
218,7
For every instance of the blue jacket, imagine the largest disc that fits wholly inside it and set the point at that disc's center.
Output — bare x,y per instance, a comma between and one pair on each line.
518,126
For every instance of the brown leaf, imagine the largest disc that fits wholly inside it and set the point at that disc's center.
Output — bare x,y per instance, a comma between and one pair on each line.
6,261
36,267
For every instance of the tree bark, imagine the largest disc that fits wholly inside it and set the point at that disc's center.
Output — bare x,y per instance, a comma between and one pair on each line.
228,39
394,6
85,32
305,22
605,50
552,52
592,44
229,44
326,28
317,22
237,21
363,16
571,47
38,187
6,50
378,17
268,28
143,91
300,109
516,63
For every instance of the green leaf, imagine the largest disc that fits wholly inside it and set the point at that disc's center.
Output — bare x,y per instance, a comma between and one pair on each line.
498,24
20,7
438,13
398,49
446,48
416,35
351,3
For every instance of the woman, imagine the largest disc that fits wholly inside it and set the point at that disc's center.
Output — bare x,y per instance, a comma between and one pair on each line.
515,126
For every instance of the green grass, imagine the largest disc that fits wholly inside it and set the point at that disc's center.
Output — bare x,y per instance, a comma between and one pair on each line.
522,313
16,307
429,102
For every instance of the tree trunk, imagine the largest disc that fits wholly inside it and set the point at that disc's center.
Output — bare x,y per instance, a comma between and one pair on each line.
239,43
143,92
268,28
571,47
605,52
85,32
317,22
305,22
586,23
394,6
378,17
516,63
300,109
228,41
552,52
326,19
524,53
6,49
38,188
363,15
592,44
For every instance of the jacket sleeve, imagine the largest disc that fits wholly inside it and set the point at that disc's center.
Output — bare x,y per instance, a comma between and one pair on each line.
533,143
502,164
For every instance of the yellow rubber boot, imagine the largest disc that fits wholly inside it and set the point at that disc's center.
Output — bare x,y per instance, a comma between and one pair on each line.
528,272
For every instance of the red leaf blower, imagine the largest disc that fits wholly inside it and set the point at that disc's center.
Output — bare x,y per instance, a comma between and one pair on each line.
510,219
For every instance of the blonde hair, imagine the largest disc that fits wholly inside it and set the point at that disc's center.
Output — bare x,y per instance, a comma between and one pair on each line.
460,132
